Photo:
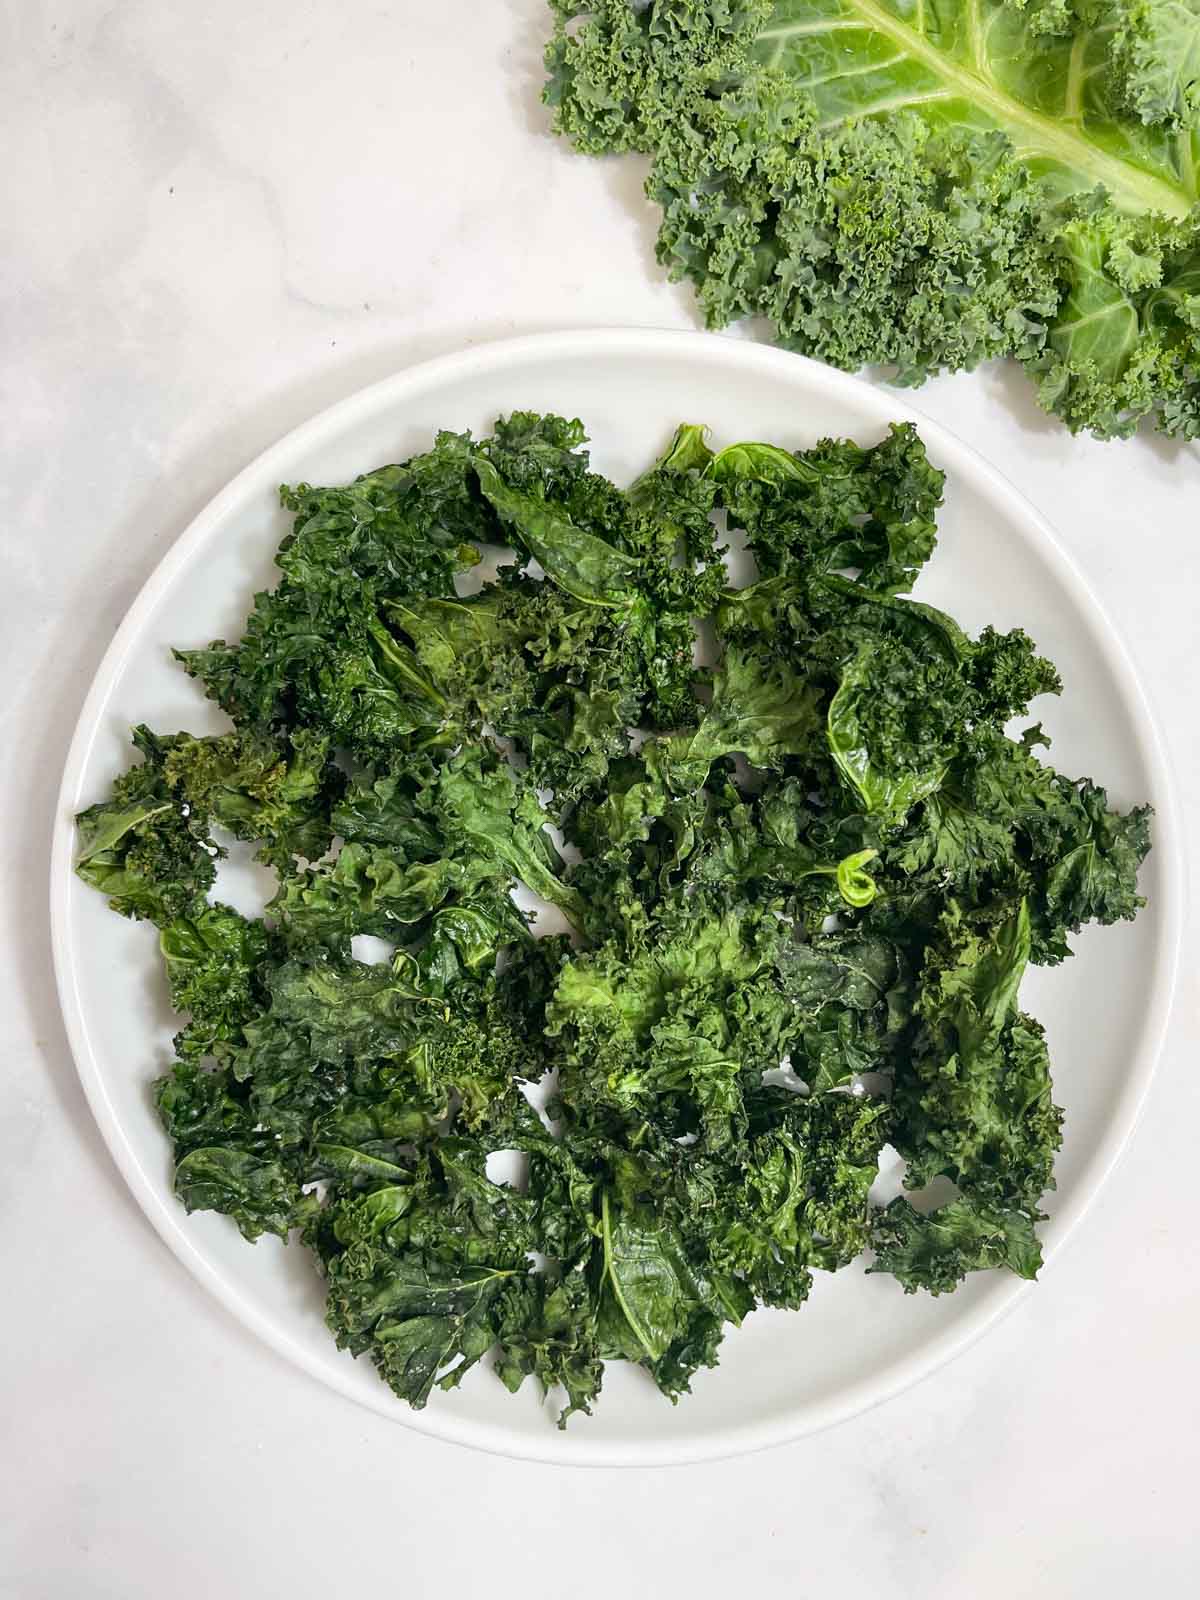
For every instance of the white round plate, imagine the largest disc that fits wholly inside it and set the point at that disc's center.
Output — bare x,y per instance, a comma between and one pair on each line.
860,1339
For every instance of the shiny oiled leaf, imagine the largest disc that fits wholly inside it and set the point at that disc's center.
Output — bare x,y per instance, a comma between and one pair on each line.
797,893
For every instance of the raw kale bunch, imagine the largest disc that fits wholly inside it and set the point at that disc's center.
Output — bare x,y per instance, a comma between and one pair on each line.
801,887
921,186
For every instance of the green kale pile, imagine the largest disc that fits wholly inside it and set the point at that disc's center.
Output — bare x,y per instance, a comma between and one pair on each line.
921,186
802,887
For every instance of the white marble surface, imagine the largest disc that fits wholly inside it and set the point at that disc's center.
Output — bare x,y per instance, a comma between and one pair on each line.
218,219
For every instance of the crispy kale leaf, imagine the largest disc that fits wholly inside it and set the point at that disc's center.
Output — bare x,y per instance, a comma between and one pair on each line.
935,1250
795,892
144,847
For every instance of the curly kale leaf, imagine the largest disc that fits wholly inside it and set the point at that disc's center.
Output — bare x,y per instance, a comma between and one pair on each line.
654,1030
429,1273
920,189
144,847
225,1160
801,887
451,851
1153,56
1005,828
258,1192
834,506
973,1103
259,789
936,1250
1156,59
761,708
214,963
316,650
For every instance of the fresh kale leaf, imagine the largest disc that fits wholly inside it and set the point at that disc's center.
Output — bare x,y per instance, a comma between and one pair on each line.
918,188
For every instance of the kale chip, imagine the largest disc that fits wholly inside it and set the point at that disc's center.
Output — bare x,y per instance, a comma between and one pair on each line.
732,929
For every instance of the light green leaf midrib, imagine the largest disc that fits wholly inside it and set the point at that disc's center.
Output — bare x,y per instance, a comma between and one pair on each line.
627,1311
1036,133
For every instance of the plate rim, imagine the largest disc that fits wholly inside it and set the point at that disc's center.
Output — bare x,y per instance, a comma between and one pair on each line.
952,453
